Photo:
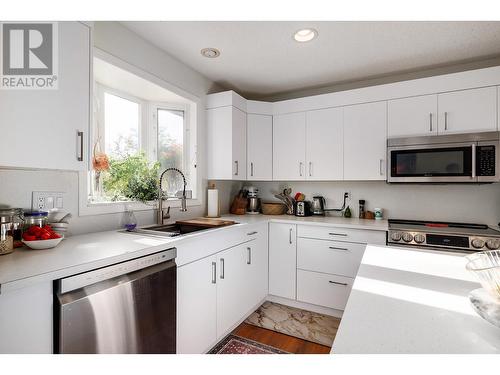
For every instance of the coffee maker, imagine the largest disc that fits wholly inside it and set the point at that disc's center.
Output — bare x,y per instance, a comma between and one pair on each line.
253,205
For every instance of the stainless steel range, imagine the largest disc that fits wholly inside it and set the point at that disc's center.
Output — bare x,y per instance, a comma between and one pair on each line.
442,235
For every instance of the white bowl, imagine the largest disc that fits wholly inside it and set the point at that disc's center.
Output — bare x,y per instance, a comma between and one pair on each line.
43,244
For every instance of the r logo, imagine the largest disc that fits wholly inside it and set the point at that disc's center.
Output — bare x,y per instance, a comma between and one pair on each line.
27,49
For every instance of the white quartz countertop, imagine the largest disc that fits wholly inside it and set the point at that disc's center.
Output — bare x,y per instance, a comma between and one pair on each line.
413,301
89,251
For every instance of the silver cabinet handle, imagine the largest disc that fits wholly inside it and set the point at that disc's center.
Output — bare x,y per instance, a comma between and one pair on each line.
310,169
473,160
249,260
252,233
381,167
338,248
290,236
430,121
236,173
337,283
214,272
251,169
446,121
79,156
337,234
300,169
222,268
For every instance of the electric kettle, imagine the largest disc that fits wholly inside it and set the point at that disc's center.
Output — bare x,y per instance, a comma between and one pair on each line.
318,205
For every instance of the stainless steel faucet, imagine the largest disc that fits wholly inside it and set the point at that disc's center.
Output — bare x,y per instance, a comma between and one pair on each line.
166,215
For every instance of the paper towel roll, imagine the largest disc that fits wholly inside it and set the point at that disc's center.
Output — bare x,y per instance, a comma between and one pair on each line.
213,203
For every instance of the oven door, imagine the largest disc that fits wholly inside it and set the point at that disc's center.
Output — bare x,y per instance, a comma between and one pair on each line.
433,163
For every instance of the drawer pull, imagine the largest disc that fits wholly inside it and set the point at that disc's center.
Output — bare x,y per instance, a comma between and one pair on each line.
251,233
337,234
337,283
338,248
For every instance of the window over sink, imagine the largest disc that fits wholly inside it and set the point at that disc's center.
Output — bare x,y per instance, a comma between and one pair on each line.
139,129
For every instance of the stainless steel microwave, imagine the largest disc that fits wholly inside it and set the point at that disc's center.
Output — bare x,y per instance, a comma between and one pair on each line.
444,158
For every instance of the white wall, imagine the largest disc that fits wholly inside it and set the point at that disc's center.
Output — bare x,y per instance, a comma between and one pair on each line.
16,186
460,203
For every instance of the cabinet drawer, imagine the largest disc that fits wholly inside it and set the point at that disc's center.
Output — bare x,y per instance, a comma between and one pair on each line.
341,234
339,258
323,289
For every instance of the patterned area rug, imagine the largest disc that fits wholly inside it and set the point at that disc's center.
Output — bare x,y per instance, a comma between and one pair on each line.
295,322
238,345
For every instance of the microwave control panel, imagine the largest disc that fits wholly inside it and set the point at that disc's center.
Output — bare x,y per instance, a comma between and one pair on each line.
486,160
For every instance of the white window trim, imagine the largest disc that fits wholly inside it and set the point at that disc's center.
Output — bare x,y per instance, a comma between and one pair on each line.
86,207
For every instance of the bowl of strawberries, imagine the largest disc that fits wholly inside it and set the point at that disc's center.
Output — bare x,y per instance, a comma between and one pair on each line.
40,238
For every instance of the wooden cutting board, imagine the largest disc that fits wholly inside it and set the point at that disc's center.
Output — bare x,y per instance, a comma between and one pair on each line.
206,222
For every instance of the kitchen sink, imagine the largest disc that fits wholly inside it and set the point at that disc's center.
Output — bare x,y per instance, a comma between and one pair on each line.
170,230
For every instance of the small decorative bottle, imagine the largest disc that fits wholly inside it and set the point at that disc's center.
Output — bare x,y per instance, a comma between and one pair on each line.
129,220
347,212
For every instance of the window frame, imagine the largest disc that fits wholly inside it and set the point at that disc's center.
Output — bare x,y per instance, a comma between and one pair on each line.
192,113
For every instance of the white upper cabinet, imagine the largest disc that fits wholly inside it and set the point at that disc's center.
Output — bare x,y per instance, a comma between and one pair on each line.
259,147
325,144
226,135
47,128
289,146
468,111
415,116
365,141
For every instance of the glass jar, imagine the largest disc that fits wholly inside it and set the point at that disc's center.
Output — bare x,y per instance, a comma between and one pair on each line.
38,218
15,216
6,238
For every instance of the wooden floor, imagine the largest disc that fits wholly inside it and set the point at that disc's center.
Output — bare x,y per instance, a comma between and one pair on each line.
279,340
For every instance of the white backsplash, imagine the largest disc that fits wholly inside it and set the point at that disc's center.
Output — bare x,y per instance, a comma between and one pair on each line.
459,203
16,187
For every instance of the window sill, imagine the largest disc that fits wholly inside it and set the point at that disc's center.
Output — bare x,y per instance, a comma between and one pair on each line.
102,208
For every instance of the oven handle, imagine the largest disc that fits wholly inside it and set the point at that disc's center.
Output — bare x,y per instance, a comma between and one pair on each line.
473,160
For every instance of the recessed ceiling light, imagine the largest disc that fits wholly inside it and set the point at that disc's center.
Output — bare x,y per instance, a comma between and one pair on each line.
305,35
210,52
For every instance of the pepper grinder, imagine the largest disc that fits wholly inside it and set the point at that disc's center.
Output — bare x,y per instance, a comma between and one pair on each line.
361,208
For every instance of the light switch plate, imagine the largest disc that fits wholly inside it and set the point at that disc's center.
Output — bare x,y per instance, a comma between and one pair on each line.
51,201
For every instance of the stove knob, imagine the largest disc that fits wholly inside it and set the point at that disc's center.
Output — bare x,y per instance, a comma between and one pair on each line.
493,244
396,236
407,237
419,238
477,243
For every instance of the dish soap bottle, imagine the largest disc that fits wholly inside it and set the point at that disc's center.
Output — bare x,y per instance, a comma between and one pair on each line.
129,220
347,212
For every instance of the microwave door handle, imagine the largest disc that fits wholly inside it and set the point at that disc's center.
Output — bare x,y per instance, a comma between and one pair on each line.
473,160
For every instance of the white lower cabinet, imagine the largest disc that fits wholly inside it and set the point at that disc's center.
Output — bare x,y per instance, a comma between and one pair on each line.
323,289
282,260
26,320
197,306
216,293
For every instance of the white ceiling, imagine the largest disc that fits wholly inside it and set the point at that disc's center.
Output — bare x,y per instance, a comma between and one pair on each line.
261,58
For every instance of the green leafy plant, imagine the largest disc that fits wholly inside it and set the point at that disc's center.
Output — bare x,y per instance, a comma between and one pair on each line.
132,177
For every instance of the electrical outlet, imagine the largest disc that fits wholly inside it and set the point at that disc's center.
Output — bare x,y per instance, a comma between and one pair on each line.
47,201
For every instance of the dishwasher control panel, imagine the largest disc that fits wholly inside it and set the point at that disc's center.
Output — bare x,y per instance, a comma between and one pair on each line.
88,278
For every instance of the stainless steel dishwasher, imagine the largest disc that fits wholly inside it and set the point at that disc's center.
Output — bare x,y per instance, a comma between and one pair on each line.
128,307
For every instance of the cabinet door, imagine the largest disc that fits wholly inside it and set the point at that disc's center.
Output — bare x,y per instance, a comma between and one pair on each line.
257,269
282,260
289,152
468,111
259,147
40,127
365,141
26,320
231,286
414,116
325,144
239,144
219,143
196,306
